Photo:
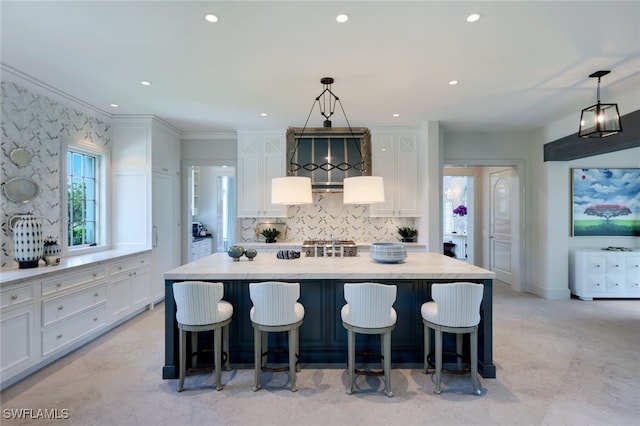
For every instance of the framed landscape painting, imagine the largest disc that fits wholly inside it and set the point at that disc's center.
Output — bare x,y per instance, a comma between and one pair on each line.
605,202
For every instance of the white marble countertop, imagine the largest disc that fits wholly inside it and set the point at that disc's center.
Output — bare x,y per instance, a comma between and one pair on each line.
11,276
219,266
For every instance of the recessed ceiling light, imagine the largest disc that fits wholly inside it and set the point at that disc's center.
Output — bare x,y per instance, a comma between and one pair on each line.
396,115
145,83
210,17
453,82
114,105
342,18
474,17
264,114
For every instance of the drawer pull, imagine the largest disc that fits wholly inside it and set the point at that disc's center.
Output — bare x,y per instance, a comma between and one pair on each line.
134,273
60,307
95,275
59,285
95,318
59,336
119,268
14,297
96,295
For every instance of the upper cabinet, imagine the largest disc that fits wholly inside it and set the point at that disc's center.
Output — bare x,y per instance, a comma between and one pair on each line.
395,158
165,150
261,157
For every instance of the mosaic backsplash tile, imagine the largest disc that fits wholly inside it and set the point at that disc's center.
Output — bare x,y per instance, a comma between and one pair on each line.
329,216
41,126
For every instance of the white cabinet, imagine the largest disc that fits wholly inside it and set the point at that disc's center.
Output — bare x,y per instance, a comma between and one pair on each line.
146,195
261,157
395,158
200,248
600,274
165,149
129,286
20,347
73,306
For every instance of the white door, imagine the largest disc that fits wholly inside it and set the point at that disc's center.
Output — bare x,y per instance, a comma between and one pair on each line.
504,226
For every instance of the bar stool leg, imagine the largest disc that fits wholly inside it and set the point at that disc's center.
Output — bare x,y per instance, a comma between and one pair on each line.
386,350
183,360
438,360
351,359
225,346
474,362
217,355
257,357
293,338
459,351
427,347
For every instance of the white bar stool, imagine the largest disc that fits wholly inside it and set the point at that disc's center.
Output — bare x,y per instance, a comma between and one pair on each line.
455,309
200,308
275,309
369,310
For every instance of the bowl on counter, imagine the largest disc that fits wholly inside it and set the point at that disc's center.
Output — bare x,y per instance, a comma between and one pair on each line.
388,252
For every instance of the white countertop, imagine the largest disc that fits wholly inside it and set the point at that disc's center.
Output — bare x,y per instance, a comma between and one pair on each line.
11,276
219,266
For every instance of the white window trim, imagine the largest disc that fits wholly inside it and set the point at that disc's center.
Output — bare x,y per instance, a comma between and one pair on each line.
103,209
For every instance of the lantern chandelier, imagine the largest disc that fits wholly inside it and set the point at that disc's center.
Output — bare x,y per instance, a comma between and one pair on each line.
599,120
297,189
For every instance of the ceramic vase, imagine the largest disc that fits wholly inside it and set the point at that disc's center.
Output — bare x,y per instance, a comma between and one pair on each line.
28,243
51,252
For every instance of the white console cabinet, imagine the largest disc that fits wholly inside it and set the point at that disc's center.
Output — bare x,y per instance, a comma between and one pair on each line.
601,273
48,312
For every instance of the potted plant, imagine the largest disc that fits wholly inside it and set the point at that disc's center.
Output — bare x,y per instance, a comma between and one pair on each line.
270,235
407,234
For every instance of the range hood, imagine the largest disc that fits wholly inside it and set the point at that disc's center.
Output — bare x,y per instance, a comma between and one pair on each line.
328,155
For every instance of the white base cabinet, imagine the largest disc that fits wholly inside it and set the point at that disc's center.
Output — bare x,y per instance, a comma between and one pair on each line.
44,319
20,346
604,274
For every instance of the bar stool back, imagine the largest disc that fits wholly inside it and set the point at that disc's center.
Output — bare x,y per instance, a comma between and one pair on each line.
200,308
275,309
369,310
455,309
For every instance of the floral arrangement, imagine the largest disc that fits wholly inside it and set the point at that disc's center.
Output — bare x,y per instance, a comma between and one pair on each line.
461,210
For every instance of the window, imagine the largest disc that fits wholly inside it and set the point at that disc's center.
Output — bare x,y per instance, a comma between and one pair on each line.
84,196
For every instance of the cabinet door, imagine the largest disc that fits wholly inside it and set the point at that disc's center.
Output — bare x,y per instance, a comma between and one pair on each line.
260,158
384,165
130,209
395,158
406,185
17,330
166,231
140,287
120,296
274,166
250,180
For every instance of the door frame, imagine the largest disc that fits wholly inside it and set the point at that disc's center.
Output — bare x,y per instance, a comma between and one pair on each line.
185,193
519,167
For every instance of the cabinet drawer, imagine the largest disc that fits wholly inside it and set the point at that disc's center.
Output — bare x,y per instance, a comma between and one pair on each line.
67,332
129,264
16,296
57,308
65,282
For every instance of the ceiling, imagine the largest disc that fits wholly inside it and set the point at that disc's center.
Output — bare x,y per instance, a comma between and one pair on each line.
521,66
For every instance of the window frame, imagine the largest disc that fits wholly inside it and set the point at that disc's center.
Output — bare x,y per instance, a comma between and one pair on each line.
102,163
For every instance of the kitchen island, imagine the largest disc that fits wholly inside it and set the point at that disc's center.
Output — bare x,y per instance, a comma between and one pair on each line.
323,339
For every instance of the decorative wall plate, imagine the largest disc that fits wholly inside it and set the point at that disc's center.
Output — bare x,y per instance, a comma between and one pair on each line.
20,189
20,157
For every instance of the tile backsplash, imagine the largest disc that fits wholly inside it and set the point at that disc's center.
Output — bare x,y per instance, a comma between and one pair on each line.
329,216
41,126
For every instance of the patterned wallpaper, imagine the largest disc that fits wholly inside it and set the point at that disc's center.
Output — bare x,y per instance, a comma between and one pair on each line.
41,126
328,215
